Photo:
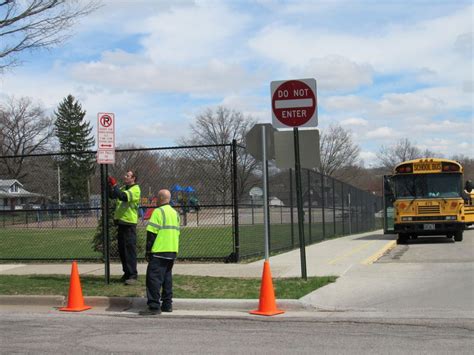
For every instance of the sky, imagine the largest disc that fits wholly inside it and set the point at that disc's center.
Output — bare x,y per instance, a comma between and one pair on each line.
385,70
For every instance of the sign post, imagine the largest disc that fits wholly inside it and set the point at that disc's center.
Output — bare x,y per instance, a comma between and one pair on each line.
294,104
259,143
105,156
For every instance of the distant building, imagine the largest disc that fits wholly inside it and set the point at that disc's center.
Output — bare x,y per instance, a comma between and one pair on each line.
14,197
275,201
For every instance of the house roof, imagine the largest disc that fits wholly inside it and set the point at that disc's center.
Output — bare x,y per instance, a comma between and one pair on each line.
5,187
8,183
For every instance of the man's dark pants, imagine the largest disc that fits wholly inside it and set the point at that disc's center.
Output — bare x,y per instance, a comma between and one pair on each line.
127,246
158,276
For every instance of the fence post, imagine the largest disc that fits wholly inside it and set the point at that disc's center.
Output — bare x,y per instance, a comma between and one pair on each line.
291,211
268,213
235,201
334,205
342,209
309,208
323,203
350,211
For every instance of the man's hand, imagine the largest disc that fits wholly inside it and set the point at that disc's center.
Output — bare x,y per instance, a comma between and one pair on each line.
112,181
148,256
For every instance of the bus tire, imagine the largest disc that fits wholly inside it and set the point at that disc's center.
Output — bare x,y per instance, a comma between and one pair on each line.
458,236
402,238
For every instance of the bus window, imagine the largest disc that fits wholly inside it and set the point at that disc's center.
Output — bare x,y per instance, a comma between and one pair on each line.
428,186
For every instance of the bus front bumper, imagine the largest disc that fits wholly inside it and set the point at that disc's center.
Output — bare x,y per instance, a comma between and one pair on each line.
426,228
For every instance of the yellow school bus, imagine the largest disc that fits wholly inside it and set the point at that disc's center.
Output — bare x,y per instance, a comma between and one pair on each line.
429,199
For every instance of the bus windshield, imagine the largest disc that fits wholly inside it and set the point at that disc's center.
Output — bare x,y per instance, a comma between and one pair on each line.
427,185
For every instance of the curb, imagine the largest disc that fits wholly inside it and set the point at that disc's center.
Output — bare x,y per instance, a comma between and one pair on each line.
24,300
373,258
125,303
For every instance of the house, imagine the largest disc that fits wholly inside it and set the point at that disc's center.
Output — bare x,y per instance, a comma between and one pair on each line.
14,197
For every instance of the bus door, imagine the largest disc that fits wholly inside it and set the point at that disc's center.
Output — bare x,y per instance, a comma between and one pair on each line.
388,199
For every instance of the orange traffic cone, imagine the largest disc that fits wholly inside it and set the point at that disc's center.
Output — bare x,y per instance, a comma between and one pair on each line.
75,302
267,305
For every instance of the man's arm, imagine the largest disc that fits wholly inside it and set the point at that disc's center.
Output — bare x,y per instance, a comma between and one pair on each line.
121,195
150,240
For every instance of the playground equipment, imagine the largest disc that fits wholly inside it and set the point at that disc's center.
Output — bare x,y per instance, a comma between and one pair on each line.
185,198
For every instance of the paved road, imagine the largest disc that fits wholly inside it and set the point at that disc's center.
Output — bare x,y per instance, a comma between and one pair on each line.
418,298
82,333
430,276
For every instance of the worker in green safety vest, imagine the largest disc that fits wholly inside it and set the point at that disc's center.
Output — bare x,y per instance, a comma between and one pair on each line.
162,246
126,219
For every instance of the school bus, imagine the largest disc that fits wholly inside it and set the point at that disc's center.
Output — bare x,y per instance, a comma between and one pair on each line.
427,198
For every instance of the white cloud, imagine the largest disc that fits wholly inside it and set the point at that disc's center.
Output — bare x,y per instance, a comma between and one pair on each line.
336,73
425,44
367,157
347,103
187,34
355,121
408,104
381,133
215,77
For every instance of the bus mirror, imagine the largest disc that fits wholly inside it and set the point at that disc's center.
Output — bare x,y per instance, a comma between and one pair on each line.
468,186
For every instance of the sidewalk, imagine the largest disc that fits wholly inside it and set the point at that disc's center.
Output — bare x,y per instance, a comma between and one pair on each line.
331,257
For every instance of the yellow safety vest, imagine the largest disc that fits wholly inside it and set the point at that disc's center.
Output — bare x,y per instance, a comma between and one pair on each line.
127,211
164,222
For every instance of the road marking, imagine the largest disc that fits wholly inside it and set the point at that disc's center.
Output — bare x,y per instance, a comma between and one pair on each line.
371,259
353,251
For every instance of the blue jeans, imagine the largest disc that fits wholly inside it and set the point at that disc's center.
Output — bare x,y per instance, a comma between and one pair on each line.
159,278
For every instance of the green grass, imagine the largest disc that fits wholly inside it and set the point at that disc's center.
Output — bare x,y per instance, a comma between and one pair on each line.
183,286
195,242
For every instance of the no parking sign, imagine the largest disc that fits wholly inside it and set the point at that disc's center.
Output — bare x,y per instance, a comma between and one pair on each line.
105,138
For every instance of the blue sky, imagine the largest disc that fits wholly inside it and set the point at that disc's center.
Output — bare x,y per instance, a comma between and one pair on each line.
385,70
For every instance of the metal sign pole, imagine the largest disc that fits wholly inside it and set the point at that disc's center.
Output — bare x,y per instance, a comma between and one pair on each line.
265,192
105,221
299,202
107,236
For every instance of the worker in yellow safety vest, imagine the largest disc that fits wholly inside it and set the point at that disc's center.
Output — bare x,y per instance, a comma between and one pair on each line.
126,219
162,246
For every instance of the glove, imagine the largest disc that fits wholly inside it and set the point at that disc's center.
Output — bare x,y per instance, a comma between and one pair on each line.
148,256
112,181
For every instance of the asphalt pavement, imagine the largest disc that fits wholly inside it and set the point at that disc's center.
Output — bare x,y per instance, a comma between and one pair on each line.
331,257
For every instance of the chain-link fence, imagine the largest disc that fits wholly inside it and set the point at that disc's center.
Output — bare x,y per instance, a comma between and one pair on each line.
51,208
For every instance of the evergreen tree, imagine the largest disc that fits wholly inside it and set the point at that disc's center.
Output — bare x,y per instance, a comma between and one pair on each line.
75,140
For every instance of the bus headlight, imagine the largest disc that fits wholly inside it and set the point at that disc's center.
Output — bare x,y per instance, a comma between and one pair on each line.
407,218
450,218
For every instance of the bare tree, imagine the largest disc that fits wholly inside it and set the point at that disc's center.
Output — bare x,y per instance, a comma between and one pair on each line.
402,151
467,163
222,126
338,151
33,24
25,129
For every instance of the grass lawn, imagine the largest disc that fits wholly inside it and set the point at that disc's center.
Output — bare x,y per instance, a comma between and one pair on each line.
183,286
195,242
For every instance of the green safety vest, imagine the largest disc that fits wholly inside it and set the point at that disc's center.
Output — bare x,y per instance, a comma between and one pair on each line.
127,211
164,222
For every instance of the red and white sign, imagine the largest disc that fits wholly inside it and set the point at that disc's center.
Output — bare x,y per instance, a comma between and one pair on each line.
294,103
105,138
105,131
106,156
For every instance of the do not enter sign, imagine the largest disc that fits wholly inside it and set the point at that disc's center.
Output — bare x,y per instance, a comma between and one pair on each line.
294,103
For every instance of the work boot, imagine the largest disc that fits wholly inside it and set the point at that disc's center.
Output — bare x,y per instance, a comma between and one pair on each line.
167,309
150,312
130,282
